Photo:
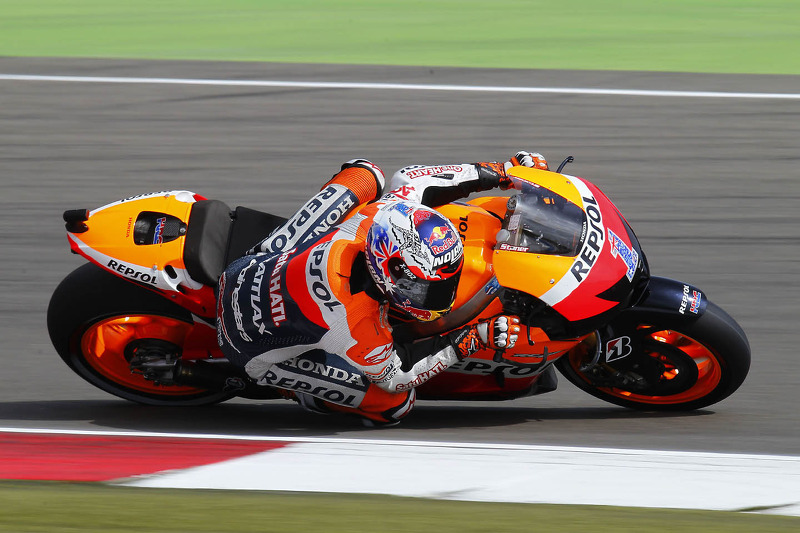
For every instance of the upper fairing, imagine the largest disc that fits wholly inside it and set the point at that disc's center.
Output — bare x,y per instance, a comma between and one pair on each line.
599,277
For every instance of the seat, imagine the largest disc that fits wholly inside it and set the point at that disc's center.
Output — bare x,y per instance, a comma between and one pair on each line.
207,237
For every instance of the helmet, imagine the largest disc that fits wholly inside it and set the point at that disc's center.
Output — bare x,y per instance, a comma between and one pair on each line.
415,256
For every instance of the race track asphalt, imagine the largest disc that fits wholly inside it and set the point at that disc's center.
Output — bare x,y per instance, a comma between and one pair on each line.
710,185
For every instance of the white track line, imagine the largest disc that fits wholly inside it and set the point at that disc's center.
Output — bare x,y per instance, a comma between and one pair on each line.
403,87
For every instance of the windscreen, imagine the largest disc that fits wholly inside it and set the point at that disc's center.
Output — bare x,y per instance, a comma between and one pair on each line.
542,222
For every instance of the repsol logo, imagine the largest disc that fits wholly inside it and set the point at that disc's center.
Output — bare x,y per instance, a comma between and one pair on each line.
693,301
145,195
486,368
316,217
317,280
320,391
132,273
594,240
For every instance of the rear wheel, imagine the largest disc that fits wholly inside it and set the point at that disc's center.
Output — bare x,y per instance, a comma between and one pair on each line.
659,361
123,338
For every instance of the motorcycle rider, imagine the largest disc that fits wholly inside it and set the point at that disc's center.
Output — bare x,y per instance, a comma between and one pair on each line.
306,310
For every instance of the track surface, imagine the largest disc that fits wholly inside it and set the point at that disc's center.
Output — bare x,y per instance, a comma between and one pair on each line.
710,186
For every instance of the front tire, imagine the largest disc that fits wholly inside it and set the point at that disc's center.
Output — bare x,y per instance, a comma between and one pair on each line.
97,320
662,362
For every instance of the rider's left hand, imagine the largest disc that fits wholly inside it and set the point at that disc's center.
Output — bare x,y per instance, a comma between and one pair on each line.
527,159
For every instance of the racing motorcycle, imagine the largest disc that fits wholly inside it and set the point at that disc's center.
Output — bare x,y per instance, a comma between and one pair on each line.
138,321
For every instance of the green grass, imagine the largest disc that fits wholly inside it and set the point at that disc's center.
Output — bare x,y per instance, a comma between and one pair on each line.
735,36
72,507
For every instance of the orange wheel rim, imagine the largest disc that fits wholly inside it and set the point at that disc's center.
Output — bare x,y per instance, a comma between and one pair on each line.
709,370
103,346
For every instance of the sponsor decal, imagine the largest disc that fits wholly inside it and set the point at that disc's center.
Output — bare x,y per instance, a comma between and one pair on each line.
328,393
317,279
421,216
403,208
483,367
315,218
628,255
692,301
132,273
314,367
441,239
276,305
383,315
234,384
452,255
158,237
421,378
128,229
386,374
222,332
463,227
419,314
512,248
237,311
492,287
430,171
618,348
593,243
402,192
255,296
321,375
378,355
145,195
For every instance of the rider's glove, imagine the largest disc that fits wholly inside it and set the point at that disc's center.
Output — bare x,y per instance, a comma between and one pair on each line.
527,159
491,175
497,333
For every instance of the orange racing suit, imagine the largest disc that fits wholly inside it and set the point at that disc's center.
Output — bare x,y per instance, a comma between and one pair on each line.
301,313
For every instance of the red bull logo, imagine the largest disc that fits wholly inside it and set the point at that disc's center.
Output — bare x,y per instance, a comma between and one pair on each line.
421,216
442,239
438,234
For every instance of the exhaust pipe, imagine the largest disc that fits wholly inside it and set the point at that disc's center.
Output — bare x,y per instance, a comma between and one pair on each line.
220,376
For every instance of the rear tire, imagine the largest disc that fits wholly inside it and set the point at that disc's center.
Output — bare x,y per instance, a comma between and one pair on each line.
95,317
674,364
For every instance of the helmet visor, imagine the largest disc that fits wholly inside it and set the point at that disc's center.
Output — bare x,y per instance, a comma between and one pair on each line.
436,295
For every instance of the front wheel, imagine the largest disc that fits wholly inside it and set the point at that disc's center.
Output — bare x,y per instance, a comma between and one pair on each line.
662,362
117,335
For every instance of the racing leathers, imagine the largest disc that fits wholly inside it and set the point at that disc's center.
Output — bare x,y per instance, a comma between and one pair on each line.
301,313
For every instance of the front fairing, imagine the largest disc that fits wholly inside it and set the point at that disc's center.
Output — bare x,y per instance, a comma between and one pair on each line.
587,263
